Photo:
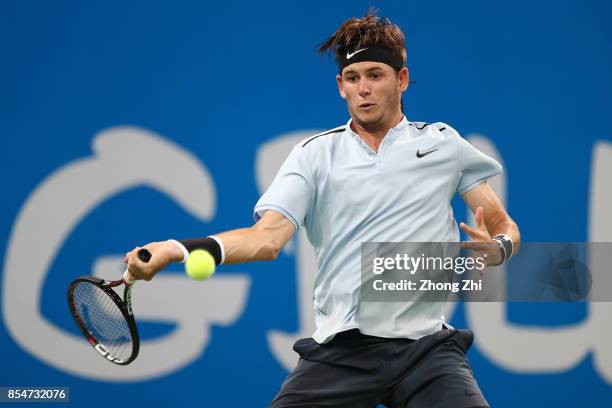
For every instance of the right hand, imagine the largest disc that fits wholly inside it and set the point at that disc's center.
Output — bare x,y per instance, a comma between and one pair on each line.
162,254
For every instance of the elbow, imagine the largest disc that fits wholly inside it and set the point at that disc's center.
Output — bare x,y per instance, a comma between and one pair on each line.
268,248
268,251
270,238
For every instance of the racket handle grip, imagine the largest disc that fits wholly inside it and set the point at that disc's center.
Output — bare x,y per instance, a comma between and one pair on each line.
144,255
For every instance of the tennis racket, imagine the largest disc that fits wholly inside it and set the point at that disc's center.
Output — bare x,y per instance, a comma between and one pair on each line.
107,321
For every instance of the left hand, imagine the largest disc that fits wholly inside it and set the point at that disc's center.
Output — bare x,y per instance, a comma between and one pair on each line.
481,241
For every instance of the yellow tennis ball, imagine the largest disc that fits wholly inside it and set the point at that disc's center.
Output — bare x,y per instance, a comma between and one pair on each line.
200,264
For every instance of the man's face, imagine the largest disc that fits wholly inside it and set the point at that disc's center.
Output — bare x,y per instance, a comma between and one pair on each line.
373,92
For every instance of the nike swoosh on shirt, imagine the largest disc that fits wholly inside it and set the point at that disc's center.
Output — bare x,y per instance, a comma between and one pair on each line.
419,154
350,55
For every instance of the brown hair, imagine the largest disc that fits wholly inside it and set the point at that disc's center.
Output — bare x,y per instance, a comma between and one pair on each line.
368,31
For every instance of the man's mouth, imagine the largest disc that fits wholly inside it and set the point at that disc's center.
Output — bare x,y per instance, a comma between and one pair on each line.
366,106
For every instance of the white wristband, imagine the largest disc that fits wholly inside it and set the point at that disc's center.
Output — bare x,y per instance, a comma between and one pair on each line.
182,248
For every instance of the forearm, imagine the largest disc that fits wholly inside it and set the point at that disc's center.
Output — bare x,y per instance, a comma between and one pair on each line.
248,244
261,242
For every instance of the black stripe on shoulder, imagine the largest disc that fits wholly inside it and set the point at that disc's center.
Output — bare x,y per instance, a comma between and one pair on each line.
440,127
420,128
337,130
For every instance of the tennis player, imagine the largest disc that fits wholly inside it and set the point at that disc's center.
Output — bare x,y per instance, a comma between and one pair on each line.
378,178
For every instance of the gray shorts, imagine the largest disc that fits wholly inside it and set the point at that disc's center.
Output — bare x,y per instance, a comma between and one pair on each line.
355,370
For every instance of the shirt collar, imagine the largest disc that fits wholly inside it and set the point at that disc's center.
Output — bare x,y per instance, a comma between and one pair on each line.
389,137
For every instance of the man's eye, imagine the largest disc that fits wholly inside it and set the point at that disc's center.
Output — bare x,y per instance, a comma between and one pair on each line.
375,76
352,78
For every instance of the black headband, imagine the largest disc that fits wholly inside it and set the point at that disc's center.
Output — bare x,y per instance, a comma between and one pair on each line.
385,55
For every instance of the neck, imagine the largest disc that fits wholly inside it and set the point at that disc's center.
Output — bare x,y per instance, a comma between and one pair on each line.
373,135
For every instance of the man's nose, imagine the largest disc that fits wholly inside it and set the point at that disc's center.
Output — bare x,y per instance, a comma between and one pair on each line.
364,87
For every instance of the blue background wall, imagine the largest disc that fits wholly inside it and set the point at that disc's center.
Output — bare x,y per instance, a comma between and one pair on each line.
220,79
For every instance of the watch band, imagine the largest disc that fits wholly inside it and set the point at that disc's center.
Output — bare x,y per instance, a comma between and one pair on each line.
506,245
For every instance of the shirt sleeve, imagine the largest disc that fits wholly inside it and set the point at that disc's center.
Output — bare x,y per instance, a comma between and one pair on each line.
291,192
474,167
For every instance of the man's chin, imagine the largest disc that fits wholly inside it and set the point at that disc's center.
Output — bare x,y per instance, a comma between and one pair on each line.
368,121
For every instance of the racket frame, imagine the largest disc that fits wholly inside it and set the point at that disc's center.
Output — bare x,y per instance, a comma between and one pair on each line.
125,306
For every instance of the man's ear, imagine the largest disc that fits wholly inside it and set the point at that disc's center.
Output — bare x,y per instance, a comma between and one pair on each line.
340,86
404,78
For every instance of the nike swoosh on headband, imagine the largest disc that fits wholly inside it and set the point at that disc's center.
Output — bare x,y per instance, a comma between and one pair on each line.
350,55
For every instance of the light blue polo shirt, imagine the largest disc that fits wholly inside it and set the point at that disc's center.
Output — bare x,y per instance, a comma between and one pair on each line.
344,194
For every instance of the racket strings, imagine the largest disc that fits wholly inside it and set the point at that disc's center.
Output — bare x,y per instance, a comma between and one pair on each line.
103,318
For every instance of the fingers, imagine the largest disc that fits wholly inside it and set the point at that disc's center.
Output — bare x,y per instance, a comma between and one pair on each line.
483,246
472,232
480,232
135,267
475,245
481,226
479,218
489,251
146,270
